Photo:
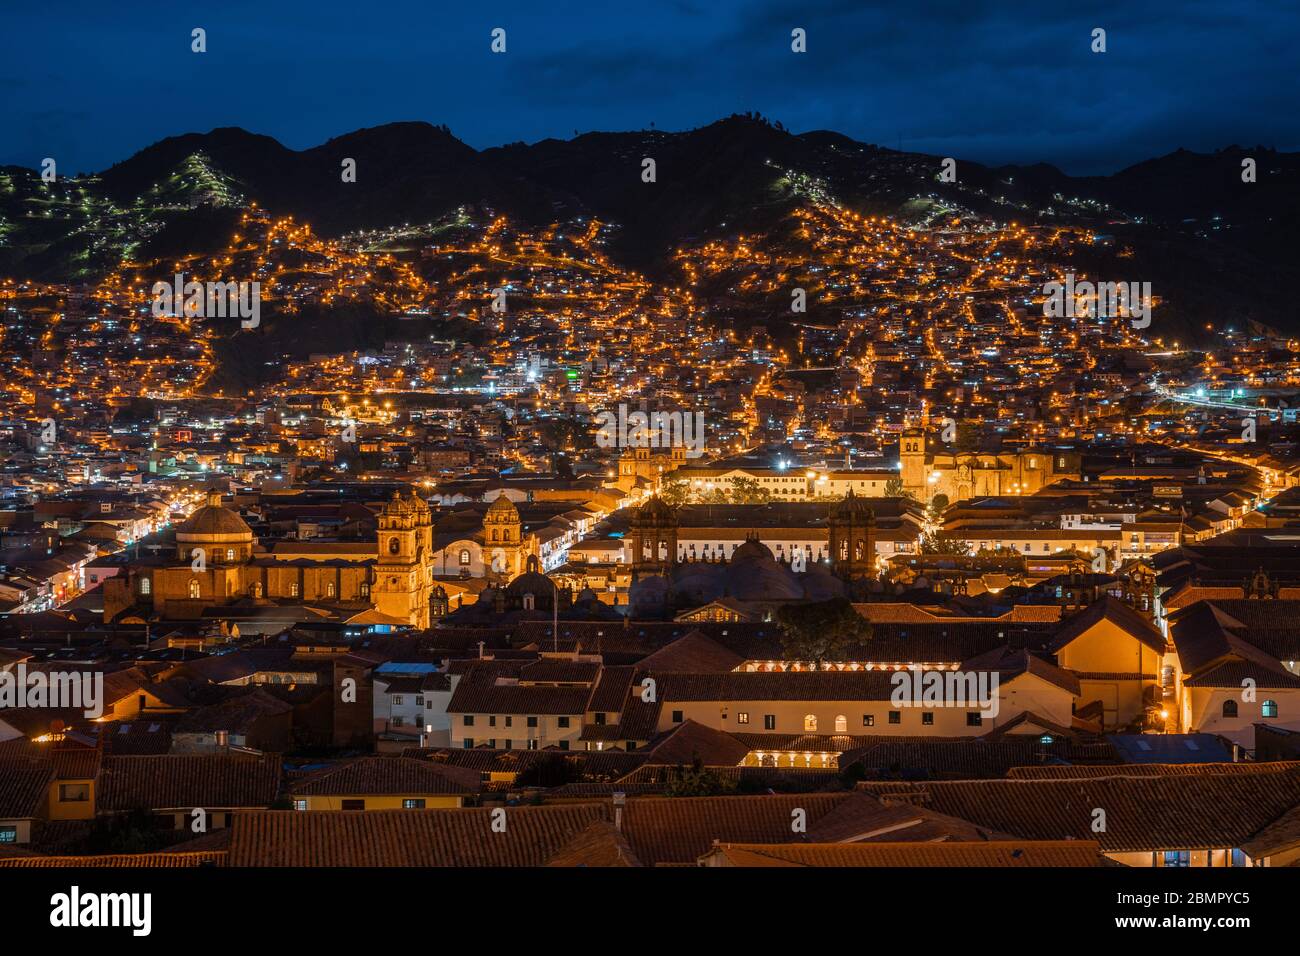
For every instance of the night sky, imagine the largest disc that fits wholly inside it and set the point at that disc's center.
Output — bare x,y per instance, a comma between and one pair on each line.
90,83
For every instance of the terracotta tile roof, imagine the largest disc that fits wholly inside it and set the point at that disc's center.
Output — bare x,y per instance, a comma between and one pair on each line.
611,690
680,829
479,693
182,781
599,844
1074,772
1116,612
691,741
1057,853
392,776
1190,811
119,861
533,835
969,757
24,787
696,652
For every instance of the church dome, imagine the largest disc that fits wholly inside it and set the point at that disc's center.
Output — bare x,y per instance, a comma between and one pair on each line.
852,508
213,520
503,509
752,550
530,582
656,510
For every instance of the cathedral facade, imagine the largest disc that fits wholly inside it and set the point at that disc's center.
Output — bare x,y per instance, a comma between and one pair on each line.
216,562
961,475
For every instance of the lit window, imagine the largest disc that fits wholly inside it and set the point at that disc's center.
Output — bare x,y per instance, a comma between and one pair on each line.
146,586
1269,709
841,724
194,589
810,723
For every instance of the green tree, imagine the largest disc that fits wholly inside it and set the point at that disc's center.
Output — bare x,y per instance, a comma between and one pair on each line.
894,489
697,781
675,493
820,630
747,491
940,543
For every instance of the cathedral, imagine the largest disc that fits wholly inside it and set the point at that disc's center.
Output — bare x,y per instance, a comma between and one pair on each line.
666,578
961,475
217,562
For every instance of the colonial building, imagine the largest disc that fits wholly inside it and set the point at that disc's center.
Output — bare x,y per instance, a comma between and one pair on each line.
217,562
961,475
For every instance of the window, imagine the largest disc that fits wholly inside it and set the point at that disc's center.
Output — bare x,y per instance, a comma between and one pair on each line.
464,556
895,717
419,700
194,588
509,744
1229,708
300,804
532,744
468,720
841,724
769,721
1269,709
469,743
509,721
293,589
397,700
74,792
492,720
399,721
1178,857
354,804
564,722
146,586
365,590
532,721
927,718
329,589
974,719
230,554
810,723
677,716
413,804
8,834
564,745
742,717
600,718
868,720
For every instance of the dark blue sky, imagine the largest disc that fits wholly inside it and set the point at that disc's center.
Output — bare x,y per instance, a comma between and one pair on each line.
92,81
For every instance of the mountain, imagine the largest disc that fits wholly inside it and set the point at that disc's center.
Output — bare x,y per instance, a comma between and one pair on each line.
1189,221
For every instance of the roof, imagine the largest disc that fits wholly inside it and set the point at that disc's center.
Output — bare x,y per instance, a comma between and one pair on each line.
691,741
681,829
694,653
397,776
531,837
1171,748
600,844
116,861
1116,612
24,788
174,781
1143,814
1011,853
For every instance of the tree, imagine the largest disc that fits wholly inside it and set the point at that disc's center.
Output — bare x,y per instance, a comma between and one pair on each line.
940,543
697,781
675,493
894,489
747,491
820,630
939,502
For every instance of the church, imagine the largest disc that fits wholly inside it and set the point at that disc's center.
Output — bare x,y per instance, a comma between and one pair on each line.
394,580
667,577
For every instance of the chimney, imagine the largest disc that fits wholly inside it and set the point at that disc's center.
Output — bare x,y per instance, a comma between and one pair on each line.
620,798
